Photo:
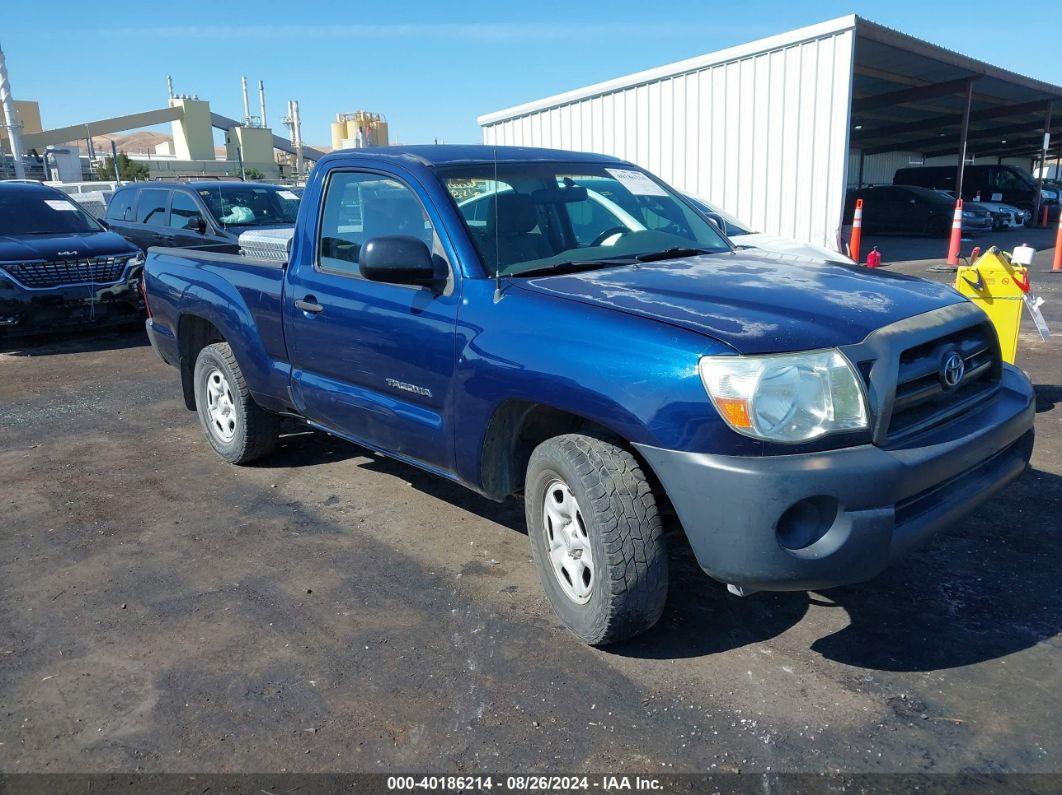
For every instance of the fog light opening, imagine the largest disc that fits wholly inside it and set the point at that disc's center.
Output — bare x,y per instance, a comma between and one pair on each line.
806,522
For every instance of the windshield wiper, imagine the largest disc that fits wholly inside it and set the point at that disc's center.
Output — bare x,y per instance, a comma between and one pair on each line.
573,266
673,253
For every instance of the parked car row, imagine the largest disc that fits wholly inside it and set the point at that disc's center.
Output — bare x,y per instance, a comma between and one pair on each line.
61,267
206,213
1010,185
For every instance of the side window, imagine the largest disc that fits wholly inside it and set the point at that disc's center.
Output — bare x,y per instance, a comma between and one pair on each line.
151,209
359,206
184,213
121,206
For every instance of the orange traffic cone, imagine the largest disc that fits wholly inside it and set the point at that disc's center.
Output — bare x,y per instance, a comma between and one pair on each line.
956,235
1056,263
857,231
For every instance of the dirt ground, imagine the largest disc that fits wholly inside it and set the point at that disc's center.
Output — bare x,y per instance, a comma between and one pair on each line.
330,610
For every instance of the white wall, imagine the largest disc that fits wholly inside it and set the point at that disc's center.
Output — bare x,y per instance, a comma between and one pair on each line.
761,130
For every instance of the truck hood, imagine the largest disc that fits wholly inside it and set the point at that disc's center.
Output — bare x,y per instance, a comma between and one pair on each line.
17,248
789,247
754,303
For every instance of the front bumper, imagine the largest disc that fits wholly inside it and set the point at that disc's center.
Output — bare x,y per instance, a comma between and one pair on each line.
877,503
26,311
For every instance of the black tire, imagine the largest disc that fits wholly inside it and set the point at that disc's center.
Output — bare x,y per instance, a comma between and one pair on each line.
620,521
254,431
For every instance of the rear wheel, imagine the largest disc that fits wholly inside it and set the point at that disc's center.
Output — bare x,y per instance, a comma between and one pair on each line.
238,429
596,537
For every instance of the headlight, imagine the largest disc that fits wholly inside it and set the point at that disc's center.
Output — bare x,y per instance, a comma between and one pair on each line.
968,216
792,397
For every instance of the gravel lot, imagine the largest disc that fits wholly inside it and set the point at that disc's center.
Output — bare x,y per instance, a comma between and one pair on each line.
330,610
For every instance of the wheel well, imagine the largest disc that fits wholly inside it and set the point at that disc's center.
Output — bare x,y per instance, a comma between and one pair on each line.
517,428
193,334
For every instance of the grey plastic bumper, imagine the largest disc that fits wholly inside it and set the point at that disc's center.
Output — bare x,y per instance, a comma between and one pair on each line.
886,500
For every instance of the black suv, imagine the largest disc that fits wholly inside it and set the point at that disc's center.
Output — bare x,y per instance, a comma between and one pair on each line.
996,183
198,213
59,266
912,210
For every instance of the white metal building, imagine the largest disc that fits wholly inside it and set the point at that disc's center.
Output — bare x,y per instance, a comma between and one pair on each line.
775,130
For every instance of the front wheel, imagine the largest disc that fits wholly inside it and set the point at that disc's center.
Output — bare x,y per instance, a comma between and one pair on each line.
238,429
596,537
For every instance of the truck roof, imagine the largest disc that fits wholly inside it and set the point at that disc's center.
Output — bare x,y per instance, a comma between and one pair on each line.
444,154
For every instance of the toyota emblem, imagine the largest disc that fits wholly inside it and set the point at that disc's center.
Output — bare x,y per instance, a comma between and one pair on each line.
952,369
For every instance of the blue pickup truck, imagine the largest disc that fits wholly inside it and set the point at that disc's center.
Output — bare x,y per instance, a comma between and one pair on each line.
567,328
59,266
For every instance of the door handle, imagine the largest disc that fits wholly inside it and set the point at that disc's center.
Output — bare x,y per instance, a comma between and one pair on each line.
308,304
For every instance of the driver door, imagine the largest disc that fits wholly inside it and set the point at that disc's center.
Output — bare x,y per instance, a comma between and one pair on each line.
371,361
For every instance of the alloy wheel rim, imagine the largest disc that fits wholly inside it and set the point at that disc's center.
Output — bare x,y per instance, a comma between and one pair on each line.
568,543
221,406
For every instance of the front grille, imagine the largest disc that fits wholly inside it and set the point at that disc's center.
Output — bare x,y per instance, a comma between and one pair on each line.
100,270
922,401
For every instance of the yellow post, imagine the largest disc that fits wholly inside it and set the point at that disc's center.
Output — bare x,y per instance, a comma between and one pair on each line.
996,286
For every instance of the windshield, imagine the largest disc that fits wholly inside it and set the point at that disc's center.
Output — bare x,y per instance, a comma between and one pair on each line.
525,217
251,205
39,212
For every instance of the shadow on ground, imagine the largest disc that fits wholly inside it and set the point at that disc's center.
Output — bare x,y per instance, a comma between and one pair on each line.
1047,397
63,342
980,591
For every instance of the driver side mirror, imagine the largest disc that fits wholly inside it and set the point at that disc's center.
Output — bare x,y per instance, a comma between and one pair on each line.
717,222
397,259
197,224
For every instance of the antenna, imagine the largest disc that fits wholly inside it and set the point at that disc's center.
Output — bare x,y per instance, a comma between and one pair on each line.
497,242
169,85
261,102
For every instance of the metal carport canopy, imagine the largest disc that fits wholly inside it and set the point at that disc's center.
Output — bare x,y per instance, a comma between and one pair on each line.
765,129
910,95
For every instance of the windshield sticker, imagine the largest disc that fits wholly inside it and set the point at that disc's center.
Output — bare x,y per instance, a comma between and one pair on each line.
636,182
60,204
287,194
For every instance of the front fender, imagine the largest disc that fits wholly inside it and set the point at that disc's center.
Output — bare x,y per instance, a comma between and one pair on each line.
633,376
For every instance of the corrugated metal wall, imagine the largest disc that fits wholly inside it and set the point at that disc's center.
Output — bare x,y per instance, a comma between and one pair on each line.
764,135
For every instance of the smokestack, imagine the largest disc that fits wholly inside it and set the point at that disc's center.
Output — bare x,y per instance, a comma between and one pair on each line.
169,85
14,134
297,125
246,104
261,102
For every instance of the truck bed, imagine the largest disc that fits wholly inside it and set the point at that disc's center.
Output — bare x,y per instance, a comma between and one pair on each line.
202,281
218,252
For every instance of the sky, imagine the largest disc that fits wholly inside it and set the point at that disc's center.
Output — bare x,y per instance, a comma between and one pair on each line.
429,67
